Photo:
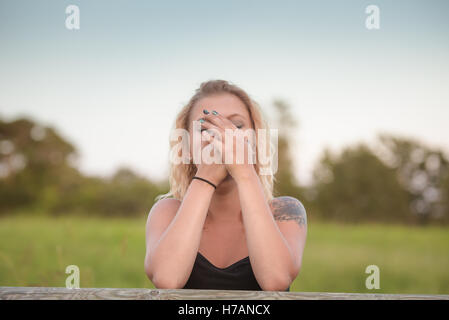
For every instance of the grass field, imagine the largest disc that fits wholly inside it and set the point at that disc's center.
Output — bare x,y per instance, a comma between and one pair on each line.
34,251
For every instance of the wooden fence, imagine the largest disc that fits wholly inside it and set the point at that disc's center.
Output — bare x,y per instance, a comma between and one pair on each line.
35,293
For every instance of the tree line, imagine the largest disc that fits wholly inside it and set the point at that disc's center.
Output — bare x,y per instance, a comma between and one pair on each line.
400,180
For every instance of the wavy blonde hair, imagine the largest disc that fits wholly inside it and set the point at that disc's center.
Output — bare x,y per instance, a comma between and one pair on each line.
180,175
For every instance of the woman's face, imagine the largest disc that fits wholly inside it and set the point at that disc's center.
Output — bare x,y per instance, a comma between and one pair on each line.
227,105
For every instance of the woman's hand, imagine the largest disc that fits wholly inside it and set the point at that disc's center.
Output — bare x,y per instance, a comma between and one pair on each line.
214,172
235,155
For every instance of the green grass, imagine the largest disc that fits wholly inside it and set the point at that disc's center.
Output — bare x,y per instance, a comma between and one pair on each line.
35,250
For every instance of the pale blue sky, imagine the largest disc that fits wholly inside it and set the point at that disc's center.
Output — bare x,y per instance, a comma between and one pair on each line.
114,87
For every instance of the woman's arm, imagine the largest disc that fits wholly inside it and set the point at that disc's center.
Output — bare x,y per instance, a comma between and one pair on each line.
275,257
172,249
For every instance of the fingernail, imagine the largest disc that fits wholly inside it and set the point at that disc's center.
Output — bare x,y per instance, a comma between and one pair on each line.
205,111
201,120
214,112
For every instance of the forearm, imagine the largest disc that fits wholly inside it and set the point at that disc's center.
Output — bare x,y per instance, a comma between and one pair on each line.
270,256
173,257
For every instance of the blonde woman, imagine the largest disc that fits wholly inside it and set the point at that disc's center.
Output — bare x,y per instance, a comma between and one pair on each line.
219,227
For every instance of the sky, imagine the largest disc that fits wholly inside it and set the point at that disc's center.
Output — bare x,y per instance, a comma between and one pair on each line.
114,87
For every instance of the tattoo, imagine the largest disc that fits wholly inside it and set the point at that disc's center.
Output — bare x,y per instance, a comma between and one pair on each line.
289,208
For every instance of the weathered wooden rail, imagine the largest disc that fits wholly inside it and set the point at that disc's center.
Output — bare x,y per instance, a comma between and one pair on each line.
38,293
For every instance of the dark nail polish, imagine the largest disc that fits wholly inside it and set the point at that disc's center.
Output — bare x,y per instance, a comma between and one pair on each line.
201,120
205,111
214,112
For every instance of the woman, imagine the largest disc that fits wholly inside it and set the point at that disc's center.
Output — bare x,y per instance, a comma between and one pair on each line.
222,228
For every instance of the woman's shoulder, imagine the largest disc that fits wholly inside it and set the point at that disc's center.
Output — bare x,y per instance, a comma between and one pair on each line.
167,202
166,206
287,201
288,208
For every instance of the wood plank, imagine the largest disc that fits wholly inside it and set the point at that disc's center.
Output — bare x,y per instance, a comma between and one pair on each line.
55,293
44,293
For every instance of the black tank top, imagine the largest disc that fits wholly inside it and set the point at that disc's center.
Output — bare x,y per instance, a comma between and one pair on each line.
237,276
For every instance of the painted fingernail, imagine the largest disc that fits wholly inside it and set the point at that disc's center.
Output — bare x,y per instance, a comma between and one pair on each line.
201,120
214,112
205,111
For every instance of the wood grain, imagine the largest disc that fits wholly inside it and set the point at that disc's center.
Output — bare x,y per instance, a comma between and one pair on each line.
42,293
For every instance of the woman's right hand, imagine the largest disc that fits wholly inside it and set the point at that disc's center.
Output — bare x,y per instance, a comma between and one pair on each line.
214,172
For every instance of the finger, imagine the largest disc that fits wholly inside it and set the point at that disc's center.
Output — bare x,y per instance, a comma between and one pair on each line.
206,135
244,151
210,138
214,120
214,139
228,123
250,149
212,129
220,121
217,145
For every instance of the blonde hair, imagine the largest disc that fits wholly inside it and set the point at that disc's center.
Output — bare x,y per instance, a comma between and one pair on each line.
180,175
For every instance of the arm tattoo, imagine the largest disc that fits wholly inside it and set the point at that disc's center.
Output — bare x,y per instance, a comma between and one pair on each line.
289,208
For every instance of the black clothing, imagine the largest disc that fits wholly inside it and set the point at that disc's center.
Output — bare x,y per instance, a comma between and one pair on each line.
238,276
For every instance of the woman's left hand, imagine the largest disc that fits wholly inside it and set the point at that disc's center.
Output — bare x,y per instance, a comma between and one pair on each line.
238,161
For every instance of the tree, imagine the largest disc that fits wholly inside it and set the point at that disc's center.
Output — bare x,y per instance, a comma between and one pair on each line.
422,171
38,171
33,160
355,186
286,123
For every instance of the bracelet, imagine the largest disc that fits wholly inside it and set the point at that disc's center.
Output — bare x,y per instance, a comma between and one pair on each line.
213,185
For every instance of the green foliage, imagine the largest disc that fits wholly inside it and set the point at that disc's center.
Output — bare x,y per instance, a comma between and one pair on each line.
38,172
286,124
400,180
32,158
125,194
356,186
422,171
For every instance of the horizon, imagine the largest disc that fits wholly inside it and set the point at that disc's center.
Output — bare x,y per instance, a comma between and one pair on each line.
132,66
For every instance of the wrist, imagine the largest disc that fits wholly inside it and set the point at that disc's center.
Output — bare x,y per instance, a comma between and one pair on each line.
208,176
206,181
205,186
